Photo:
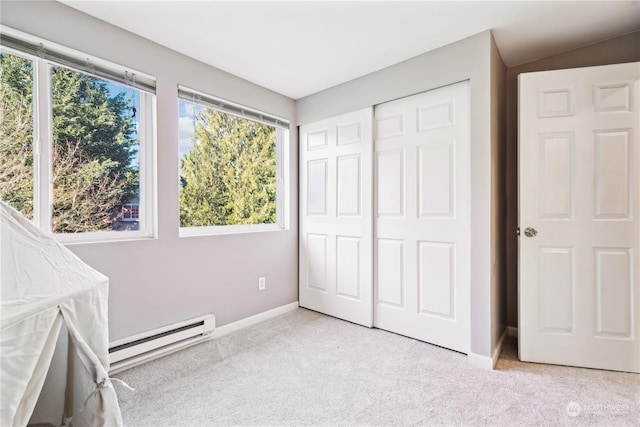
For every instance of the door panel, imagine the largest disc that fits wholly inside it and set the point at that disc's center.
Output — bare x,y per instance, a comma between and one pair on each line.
436,278
390,183
556,175
422,216
336,218
556,289
390,268
348,272
611,174
613,292
578,187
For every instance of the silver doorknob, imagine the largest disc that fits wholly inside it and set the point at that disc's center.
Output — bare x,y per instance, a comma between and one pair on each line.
530,232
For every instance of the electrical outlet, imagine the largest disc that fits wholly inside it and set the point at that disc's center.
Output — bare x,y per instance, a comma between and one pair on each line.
262,283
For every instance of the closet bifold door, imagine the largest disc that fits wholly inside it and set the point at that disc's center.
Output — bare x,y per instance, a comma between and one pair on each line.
336,217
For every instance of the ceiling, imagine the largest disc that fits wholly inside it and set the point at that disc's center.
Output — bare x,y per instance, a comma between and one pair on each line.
299,48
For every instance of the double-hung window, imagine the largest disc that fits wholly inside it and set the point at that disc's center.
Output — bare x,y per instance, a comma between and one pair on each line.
232,167
77,136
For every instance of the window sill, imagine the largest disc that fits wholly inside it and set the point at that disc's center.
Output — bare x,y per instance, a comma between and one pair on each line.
228,229
79,239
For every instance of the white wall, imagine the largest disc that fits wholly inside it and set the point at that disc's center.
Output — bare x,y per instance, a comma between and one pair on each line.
168,279
468,59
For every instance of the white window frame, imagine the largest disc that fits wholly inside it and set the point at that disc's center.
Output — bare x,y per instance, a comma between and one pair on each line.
146,200
43,140
282,167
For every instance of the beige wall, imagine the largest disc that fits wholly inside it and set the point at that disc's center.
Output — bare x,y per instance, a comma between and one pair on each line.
498,199
621,49
155,282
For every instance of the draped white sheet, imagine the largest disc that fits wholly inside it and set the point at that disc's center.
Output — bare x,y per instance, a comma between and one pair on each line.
44,284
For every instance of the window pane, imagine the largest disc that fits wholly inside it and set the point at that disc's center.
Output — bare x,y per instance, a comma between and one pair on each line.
96,167
227,169
16,133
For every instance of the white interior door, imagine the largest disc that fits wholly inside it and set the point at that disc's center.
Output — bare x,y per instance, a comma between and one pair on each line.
335,217
578,188
422,216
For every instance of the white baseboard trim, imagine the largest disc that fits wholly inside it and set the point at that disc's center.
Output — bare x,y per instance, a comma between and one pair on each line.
217,333
486,362
480,361
512,331
249,321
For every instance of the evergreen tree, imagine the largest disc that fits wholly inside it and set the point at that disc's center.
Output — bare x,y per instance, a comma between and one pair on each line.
16,133
92,150
17,74
84,112
230,175
85,191
93,147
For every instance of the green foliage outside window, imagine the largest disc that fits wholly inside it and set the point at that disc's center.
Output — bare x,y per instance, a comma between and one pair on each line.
93,149
94,146
16,133
229,177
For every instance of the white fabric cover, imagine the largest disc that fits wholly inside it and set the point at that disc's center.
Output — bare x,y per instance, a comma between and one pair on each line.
44,284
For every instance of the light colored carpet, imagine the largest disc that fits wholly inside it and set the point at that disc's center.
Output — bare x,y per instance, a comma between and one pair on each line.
306,368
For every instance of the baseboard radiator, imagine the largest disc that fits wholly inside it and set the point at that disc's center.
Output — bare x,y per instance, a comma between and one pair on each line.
132,351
